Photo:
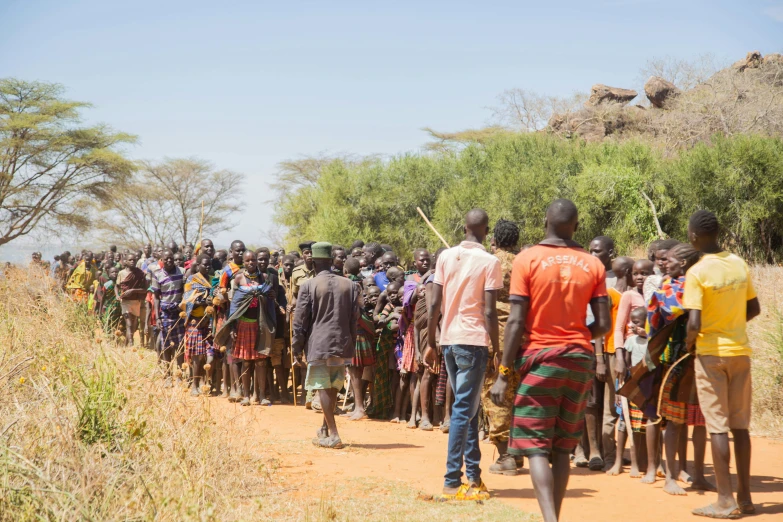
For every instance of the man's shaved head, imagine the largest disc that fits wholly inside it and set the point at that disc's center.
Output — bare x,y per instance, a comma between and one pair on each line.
476,217
477,224
562,218
622,265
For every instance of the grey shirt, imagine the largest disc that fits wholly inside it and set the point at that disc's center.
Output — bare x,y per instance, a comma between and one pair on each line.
326,318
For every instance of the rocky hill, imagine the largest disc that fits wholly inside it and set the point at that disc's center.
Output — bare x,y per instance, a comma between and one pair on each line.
746,97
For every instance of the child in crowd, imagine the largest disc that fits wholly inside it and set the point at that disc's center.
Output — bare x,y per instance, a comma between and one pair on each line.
364,356
633,351
632,298
111,316
658,254
198,334
387,322
353,269
133,290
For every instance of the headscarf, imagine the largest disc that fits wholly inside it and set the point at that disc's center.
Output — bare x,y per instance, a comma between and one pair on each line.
197,288
665,305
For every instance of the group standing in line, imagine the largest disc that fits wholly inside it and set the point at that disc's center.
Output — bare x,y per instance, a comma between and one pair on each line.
549,351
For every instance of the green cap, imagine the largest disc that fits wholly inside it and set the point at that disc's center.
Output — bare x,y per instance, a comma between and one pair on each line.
322,250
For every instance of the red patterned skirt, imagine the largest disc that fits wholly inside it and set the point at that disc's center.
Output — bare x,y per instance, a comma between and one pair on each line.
196,342
408,362
245,343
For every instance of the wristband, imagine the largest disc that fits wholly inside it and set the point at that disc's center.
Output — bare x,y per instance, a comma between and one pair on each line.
504,370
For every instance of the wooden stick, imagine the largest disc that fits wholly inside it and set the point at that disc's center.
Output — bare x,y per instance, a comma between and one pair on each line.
432,227
294,368
201,226
347,387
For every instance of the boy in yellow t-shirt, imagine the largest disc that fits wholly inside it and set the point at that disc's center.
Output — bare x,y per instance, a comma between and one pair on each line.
720,296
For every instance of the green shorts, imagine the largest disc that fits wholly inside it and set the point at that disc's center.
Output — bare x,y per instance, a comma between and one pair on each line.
324,377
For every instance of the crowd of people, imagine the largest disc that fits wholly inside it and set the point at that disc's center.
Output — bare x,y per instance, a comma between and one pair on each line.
549,351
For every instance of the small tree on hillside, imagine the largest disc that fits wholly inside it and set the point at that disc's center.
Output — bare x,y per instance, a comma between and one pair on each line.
50,166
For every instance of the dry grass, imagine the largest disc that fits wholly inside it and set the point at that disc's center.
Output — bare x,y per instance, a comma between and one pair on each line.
766,338
88,433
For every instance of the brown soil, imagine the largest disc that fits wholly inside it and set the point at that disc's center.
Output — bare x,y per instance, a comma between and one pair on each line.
392,451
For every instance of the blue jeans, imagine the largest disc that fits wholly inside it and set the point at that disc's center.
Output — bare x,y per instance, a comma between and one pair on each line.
466,366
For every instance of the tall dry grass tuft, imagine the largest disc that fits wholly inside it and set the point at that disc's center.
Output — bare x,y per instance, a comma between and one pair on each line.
87,433
766,339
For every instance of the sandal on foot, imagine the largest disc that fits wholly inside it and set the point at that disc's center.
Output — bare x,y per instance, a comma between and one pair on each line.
266,402
596,464
329,442
444,426
747,507
713,512
245,402
580,462
476,492
426,426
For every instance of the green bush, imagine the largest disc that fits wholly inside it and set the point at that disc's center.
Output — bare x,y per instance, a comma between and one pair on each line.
615,186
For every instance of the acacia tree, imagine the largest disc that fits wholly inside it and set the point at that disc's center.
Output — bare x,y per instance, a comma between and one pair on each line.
50,166
164,200
138,214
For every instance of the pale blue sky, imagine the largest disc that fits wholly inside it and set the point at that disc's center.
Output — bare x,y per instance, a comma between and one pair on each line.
248,84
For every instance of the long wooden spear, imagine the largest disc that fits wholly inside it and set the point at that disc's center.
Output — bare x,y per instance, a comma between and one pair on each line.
432,227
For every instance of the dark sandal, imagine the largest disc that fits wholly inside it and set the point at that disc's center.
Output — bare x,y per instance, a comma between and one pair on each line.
596,464
747,507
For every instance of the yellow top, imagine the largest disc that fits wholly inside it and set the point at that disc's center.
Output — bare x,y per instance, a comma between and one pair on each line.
720,286
299,276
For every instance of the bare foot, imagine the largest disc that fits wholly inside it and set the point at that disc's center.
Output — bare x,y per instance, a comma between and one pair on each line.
684,477
660,472
395,420
672,488
616,469
411,424
635,473
357,415
649,477
701,484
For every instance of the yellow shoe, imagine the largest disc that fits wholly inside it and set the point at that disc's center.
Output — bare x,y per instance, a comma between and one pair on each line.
445,497
475,492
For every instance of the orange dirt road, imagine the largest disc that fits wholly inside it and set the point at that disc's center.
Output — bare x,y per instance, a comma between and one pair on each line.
417,458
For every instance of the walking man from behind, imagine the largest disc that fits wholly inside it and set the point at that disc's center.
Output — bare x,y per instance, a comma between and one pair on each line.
552,284
464,292
327,314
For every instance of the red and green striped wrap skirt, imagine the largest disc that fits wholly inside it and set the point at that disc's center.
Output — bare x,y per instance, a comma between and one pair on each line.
364,355
549,407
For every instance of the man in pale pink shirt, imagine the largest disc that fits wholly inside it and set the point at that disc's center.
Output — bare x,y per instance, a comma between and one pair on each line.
465,288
